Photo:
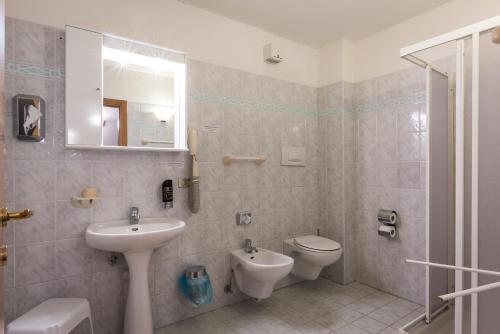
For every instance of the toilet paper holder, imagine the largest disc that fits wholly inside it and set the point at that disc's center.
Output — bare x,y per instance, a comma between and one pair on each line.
388,218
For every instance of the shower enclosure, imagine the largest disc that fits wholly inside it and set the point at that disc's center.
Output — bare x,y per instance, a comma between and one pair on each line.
463,185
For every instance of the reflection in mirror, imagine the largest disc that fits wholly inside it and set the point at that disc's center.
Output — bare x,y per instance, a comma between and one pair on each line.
123,94
114,122
142,79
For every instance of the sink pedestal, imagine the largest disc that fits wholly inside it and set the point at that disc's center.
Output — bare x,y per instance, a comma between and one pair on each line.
137,243
138,317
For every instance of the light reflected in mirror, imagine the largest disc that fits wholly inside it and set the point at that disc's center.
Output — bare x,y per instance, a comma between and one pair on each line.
123,94
139,95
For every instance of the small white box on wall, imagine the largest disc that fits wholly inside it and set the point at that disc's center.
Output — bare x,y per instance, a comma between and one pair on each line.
293,156
272,54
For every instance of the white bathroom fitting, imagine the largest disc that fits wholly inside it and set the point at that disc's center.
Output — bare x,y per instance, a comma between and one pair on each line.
137,242
311,254
53,316
257,273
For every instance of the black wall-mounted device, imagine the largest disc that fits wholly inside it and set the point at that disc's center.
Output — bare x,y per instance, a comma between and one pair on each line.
167,197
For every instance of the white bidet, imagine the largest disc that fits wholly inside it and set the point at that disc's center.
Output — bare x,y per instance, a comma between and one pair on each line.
257,272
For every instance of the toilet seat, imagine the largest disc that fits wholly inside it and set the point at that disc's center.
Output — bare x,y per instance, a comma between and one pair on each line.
316,243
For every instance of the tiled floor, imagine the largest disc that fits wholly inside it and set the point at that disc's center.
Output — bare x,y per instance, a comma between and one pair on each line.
312,307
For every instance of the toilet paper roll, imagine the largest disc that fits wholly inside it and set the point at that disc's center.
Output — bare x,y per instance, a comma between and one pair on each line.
388,217
387,231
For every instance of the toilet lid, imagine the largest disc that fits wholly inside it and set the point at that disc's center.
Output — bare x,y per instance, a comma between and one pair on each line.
317,243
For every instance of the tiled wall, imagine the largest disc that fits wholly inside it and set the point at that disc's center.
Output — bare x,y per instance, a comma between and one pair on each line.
142,123
234,112
365,147
391,175
338,178
374,157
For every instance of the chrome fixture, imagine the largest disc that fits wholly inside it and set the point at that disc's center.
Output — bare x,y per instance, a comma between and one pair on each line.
249,248
243,218
134,215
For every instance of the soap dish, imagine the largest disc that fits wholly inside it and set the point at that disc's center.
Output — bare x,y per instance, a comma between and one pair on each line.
83,202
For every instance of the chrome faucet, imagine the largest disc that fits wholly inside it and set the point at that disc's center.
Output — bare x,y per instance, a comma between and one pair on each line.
134,215
249,248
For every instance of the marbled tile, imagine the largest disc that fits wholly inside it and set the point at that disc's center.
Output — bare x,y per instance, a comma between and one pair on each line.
39,227
9,305
210,145
34,183
166,275
60,48
35,263
352,149
350,329
108,319
44,150
29,296
108,288
387,174
409,147
109,209
167,252
138,178
409,175
387,148
108,177
205,78
211,176
203,236
70,222
9,39
73,257
167,309
367,124
412,203
331,321
79,286
34,44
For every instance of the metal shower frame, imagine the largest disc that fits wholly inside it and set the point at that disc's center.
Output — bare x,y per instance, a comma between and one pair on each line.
459,36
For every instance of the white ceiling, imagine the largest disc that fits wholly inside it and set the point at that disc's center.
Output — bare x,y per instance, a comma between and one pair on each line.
318,22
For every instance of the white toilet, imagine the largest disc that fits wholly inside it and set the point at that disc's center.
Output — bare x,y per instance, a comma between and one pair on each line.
311,254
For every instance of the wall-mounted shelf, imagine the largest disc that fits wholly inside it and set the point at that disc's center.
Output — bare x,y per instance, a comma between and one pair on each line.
83,202
228,159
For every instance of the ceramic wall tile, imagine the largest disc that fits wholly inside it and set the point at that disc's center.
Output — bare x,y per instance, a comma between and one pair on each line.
34,44
353,149
70,222
39,227
35,263
34,182
73,257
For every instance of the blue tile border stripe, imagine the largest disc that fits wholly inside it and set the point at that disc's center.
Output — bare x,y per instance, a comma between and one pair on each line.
58,73
249,104
43,71
417,98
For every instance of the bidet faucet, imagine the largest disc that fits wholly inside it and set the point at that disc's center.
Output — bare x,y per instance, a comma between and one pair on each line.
249,248
134,215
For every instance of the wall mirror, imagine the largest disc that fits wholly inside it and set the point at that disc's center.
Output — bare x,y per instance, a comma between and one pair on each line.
123,94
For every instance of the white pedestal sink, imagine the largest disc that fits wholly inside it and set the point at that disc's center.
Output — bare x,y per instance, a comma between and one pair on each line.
137,243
